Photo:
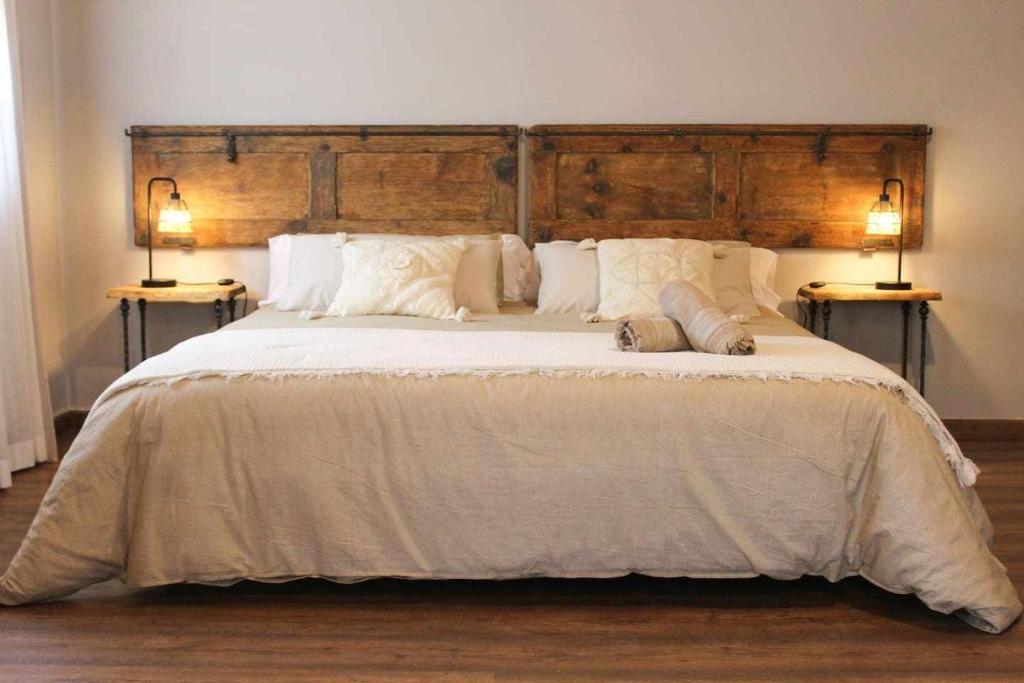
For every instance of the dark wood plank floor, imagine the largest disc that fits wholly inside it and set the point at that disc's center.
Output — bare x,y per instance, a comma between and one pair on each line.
633,629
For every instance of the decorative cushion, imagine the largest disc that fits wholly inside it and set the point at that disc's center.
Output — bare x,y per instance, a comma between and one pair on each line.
479,284
731,277
633,271
400,277
568,277
318,269
519,270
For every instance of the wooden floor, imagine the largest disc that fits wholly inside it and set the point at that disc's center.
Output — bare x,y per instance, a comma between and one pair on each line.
632,629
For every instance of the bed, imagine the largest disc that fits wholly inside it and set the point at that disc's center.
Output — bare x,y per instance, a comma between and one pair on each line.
510,445
231,458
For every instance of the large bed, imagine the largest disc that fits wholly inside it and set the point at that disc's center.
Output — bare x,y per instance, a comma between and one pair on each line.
281,448
515,444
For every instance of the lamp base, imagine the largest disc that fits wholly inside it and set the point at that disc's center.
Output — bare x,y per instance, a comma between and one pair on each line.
159,282
891,284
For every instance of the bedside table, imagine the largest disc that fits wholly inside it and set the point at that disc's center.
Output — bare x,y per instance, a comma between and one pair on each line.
192,294
829,293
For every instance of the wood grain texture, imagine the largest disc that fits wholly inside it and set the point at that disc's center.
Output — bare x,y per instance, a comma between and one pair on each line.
1006,431
775,186
323,185
836,292
414,186
634,187
630,629
181,293
245,184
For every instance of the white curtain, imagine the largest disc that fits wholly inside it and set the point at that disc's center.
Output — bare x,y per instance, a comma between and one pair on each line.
26,428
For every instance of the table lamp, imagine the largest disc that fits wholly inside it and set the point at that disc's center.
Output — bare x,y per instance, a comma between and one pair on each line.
886,219
174,218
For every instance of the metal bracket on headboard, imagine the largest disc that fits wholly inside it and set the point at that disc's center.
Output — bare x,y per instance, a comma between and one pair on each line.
232,148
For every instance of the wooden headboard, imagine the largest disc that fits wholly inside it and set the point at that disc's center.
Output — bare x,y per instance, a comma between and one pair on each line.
772,185
244,184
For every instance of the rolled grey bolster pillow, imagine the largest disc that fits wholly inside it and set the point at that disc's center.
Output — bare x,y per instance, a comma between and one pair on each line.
650,335
704,324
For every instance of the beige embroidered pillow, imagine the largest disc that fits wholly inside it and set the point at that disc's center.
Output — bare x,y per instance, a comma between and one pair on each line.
479,283
388,277
633,271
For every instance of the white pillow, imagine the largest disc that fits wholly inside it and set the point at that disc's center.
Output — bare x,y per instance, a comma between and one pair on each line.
400,277
568,277
280,250
478,284
314,272
633,271
763,265
519,271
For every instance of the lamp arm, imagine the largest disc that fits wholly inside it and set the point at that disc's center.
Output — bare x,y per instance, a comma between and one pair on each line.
899,262
148,212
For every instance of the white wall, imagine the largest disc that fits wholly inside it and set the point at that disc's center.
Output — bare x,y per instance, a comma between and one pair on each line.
955,65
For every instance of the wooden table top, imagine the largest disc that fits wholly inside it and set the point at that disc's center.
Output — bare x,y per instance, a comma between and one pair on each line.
181,293
838,292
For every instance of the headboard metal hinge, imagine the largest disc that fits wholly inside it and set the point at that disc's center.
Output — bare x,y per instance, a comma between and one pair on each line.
232,148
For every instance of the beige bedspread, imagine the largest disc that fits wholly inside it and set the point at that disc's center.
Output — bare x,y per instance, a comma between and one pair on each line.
357,476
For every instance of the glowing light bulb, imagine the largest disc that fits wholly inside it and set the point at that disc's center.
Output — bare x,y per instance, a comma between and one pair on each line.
884,218
175,216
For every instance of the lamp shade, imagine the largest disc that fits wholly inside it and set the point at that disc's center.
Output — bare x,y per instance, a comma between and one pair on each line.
884,217
175,216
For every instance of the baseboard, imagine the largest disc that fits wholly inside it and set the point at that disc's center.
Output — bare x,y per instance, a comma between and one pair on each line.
986,430
69,421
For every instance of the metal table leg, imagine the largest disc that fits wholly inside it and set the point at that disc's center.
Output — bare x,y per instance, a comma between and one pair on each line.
125,308
923,311
218,311
231,309
906,333
813,317
142,326
826,315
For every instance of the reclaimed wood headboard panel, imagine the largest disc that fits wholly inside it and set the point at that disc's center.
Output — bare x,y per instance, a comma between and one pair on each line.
772,185
244,184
